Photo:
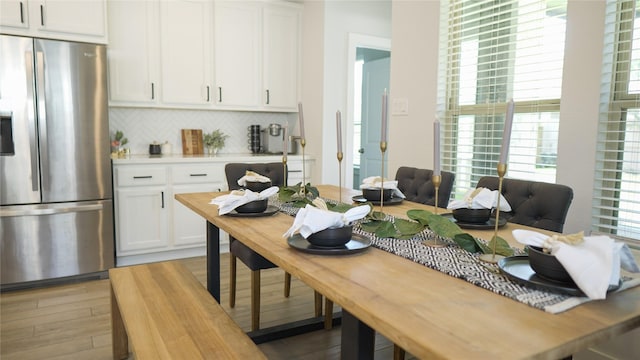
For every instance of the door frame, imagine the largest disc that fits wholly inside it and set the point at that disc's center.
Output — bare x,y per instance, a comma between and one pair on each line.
356,41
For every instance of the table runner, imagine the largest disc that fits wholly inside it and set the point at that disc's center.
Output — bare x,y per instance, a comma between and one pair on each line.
457,262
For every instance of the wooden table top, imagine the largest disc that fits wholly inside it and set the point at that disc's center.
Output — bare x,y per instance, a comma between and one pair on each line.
426,312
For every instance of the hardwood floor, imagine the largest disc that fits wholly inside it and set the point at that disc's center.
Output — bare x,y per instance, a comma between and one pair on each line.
73,321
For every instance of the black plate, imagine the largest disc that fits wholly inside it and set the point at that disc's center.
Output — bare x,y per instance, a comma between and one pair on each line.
271,209
517,268
392,201
490,224
357,244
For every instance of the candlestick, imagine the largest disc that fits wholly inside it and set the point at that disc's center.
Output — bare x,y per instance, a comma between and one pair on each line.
383,137
339,130
383,149
436,180
506,135
301,118
436,149
493,257
339,155
284,154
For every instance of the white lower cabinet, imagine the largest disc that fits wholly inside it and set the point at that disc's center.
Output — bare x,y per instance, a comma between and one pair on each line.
151,225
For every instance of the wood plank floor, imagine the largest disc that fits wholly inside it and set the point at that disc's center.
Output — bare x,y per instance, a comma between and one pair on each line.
73,321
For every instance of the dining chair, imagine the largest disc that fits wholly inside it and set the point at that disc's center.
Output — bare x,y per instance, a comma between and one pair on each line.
254,261
417,186
537,204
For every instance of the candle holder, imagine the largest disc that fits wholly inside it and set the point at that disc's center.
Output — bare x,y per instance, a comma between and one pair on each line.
303,143
284,168
340,175
493,257
383,149
436,179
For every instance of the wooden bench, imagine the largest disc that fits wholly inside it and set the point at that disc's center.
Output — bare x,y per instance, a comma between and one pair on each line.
161,311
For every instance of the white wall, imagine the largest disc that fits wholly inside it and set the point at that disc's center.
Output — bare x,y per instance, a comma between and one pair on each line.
365,17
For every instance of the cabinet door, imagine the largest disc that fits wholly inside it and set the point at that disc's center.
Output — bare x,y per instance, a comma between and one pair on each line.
14,13
133,52
190,228
141,219
186,51
237,54
70,16
280,63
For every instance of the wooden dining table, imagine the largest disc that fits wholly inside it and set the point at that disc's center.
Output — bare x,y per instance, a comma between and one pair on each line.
424,311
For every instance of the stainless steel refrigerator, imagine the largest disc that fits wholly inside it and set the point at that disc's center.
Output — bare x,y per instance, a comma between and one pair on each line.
56,210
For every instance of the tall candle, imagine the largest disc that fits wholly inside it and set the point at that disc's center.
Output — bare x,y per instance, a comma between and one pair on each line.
339,130
301,117
436,147
506,135
384,116
285,143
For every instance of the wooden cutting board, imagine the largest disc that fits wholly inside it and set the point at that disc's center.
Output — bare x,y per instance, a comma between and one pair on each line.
192,142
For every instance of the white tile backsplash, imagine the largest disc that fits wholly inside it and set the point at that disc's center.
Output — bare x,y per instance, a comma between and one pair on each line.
144,126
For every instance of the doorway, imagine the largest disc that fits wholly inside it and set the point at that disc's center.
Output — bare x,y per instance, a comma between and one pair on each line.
369,70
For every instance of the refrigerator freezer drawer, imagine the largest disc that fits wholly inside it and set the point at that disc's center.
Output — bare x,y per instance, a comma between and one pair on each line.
41,242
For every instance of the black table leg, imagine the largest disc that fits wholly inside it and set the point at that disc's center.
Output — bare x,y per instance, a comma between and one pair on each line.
357,339
213,261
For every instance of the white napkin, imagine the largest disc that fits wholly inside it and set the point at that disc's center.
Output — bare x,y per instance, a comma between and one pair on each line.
374,182
480,198
311,219
252,176
593,265
227,203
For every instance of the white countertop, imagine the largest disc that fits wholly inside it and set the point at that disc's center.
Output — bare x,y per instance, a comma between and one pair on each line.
225,158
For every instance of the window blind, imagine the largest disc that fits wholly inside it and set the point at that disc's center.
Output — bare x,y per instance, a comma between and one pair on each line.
494,51
616,207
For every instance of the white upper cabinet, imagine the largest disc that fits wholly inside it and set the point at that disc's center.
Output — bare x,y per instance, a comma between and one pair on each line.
75,20
132,52
160,53
186,52
257,55
203,54
238,50
281,39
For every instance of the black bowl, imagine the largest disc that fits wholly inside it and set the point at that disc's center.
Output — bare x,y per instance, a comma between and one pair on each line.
374,194
331,237
256,206
472,216
547,266
257,186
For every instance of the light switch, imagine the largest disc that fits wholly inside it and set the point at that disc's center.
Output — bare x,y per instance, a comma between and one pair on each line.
400,106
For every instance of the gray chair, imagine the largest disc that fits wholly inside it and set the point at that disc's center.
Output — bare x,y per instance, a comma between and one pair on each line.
537,204
416,185
254,261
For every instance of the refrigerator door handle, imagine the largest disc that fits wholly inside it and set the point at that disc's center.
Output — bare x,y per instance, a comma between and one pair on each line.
42,119
33,136
49,211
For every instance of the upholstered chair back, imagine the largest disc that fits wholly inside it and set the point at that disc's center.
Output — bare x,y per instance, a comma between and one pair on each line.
274,171
417,186
536,204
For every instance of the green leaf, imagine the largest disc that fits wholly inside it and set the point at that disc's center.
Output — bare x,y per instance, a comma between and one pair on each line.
386,230
340,207
421,216
467,242
502,247
408,228
371,226
443,226
377,215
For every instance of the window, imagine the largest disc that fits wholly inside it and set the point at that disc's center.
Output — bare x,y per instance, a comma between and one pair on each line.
617,180
494,51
